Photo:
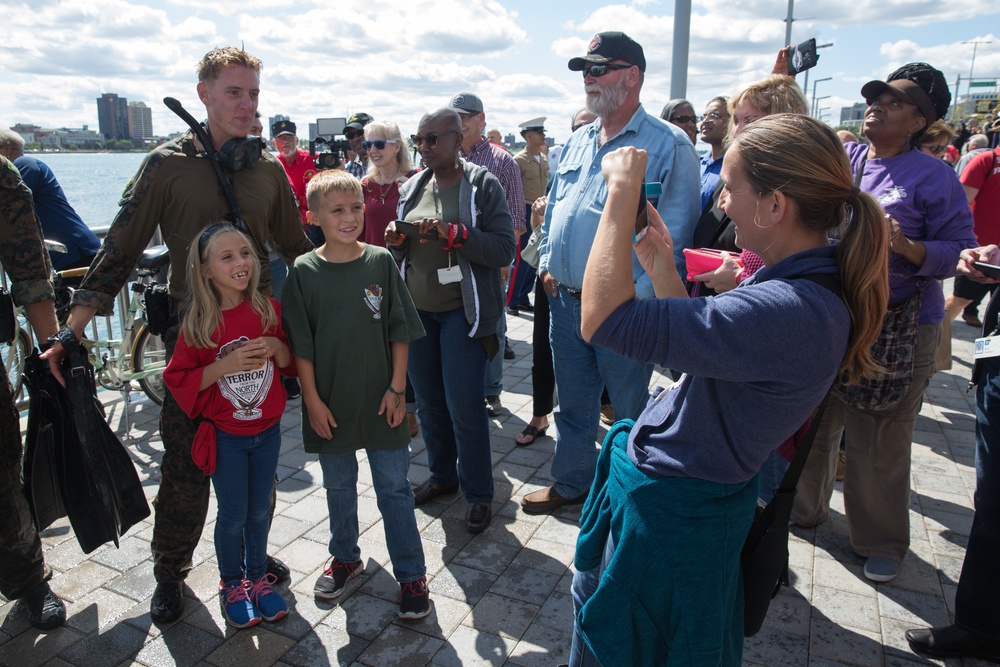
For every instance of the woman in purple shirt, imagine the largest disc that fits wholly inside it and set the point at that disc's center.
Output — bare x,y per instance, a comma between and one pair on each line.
930,224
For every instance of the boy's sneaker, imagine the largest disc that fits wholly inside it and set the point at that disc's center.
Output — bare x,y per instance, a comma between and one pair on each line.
414,601
236,604
270,605
333,581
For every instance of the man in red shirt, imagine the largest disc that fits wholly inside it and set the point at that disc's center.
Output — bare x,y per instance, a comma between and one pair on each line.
981,178
300,169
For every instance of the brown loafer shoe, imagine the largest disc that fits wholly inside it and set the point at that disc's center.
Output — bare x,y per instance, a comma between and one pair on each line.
428,491
972,320
545,500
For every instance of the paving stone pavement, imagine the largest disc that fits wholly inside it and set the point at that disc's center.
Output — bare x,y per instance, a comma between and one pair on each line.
501,597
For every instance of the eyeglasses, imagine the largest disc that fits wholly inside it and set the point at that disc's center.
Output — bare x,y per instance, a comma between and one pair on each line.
685,119
597,71
431,139
936,149
714,116
378,144
353,134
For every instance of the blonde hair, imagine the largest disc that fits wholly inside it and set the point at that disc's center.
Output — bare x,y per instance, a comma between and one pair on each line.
939,132
775,93
216,60
384,129
204,314
805,160
331,180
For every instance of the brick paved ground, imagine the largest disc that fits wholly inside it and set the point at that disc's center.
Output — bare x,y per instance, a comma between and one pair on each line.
502,597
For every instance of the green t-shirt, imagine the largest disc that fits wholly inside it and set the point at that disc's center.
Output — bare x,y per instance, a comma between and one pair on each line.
342,317
424,259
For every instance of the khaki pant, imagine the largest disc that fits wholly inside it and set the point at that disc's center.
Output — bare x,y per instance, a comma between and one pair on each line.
877,476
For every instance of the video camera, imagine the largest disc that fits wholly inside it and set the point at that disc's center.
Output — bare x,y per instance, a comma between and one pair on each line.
329,133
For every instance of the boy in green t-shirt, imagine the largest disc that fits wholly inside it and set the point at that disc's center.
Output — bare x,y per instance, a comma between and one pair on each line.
349,318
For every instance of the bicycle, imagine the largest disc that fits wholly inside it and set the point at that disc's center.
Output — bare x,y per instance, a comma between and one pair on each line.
137,355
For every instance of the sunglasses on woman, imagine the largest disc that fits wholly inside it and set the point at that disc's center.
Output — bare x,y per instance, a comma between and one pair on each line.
597,71
378,144
936,149
685,119
431,139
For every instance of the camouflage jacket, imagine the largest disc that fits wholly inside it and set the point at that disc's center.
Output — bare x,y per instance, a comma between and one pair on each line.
176,190
21,248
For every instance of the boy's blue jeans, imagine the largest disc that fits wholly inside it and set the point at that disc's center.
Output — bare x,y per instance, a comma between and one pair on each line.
395,501
243,477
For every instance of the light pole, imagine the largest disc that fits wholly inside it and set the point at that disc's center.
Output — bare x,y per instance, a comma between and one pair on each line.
812,108
975,44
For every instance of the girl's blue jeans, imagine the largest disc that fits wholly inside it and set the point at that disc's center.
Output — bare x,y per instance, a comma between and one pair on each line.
244,475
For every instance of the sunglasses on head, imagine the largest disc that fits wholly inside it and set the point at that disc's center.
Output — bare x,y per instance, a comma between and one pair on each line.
685,119
600,70
431,139
378,144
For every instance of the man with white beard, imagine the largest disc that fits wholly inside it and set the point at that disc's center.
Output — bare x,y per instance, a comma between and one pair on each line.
613,72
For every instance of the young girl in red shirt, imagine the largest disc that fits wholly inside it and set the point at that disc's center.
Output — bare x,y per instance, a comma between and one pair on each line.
225,369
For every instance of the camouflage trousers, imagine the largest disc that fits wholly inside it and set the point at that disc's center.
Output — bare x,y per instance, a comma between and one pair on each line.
21,564
181,504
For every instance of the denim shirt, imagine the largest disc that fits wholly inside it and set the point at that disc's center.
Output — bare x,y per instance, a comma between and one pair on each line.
579,193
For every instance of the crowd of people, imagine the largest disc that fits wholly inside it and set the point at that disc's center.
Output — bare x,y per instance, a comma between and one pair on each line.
830,252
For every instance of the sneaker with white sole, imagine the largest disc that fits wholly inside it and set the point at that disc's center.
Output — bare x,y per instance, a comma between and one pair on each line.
881,569
414,600
333,581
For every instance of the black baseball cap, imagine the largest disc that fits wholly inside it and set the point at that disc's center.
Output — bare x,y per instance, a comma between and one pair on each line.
608,46
282,127
358,121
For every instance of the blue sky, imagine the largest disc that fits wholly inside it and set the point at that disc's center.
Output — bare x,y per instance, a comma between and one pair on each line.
397,60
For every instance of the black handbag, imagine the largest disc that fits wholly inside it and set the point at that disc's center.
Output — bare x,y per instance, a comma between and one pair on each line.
764,558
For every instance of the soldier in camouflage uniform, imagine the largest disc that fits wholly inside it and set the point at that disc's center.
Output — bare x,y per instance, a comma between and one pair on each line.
177,191
23,575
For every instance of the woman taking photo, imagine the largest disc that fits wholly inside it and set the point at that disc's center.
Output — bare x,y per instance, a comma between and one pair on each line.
930,224
658,557
389,166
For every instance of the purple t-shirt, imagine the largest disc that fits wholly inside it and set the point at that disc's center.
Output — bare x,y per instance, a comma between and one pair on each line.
925,197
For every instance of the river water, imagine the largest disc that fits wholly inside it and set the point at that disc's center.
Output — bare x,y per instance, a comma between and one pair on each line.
93,182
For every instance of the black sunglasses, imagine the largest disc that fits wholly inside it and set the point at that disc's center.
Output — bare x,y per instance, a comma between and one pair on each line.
685,119
378,144
431,139
353,134
600,70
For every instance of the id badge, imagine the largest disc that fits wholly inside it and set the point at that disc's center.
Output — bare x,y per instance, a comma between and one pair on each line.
453,274
987,347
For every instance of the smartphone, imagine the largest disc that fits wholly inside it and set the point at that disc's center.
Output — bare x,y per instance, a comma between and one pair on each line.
411,229
642,212
988,270
802,57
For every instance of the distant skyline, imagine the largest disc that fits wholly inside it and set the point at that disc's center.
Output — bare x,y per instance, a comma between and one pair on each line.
399,60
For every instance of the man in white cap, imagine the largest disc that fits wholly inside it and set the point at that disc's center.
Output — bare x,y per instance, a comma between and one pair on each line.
533,165
613,72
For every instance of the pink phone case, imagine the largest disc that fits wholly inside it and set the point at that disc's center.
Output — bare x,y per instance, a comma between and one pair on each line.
703,260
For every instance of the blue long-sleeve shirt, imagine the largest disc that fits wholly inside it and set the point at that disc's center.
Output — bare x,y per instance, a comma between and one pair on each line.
579,193
756,360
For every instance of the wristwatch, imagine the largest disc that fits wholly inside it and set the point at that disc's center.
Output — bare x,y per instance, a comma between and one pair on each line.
65,337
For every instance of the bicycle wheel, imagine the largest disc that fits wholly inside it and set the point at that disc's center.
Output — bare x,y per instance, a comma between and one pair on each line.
148,354
14,355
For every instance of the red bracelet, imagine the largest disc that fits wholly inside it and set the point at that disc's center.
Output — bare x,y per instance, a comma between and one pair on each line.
451,236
